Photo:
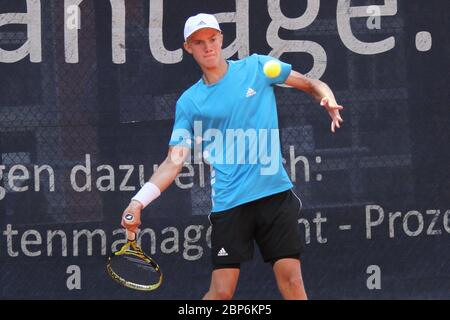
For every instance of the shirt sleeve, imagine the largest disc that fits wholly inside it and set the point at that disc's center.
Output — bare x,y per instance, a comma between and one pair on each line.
182,132
285,69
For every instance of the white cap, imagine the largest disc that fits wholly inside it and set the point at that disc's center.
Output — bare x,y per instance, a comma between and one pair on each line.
200,21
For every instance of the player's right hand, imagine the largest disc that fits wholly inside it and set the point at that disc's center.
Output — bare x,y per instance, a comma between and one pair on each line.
131,217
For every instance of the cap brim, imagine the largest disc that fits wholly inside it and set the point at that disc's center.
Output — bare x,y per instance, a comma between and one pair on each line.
200,28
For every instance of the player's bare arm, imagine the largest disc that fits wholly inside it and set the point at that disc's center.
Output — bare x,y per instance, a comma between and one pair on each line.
162,179
170,167
321,92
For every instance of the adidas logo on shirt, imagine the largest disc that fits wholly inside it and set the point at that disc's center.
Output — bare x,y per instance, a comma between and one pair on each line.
222,253
250,92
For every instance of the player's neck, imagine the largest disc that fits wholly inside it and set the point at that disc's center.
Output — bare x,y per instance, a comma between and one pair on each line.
214,75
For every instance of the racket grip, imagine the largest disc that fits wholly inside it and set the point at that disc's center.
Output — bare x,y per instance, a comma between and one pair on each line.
130,235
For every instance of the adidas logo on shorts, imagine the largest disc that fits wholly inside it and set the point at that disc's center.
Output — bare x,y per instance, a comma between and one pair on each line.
222,253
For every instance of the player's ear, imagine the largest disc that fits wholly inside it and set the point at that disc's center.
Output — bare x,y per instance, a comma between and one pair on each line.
187,47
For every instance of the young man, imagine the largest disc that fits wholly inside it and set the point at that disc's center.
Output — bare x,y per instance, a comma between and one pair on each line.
251,200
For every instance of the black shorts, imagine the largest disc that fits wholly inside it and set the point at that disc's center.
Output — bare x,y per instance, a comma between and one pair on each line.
271,221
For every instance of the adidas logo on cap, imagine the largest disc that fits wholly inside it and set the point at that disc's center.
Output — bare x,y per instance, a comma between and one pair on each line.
200,21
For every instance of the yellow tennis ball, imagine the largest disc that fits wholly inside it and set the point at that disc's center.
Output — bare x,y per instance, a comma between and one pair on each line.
272,68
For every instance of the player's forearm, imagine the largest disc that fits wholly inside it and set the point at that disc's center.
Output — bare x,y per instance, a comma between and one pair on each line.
314,87
165,174
159,181
162,178
320,90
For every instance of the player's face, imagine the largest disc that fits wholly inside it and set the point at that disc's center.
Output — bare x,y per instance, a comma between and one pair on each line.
206,47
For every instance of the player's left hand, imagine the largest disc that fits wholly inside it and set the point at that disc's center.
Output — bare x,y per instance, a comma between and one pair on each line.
333,110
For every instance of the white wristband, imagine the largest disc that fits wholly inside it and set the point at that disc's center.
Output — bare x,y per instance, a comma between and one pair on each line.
147,194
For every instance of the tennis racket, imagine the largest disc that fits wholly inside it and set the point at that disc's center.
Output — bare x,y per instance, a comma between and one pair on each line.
132,268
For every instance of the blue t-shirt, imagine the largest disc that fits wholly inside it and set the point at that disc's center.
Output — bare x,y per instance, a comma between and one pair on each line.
233,123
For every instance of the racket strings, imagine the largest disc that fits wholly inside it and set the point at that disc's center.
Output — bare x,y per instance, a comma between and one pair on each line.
140,263
134,269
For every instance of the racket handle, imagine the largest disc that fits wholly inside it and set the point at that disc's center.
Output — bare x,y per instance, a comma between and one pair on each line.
130,235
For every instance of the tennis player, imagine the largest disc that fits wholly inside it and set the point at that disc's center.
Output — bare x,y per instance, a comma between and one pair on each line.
251,200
